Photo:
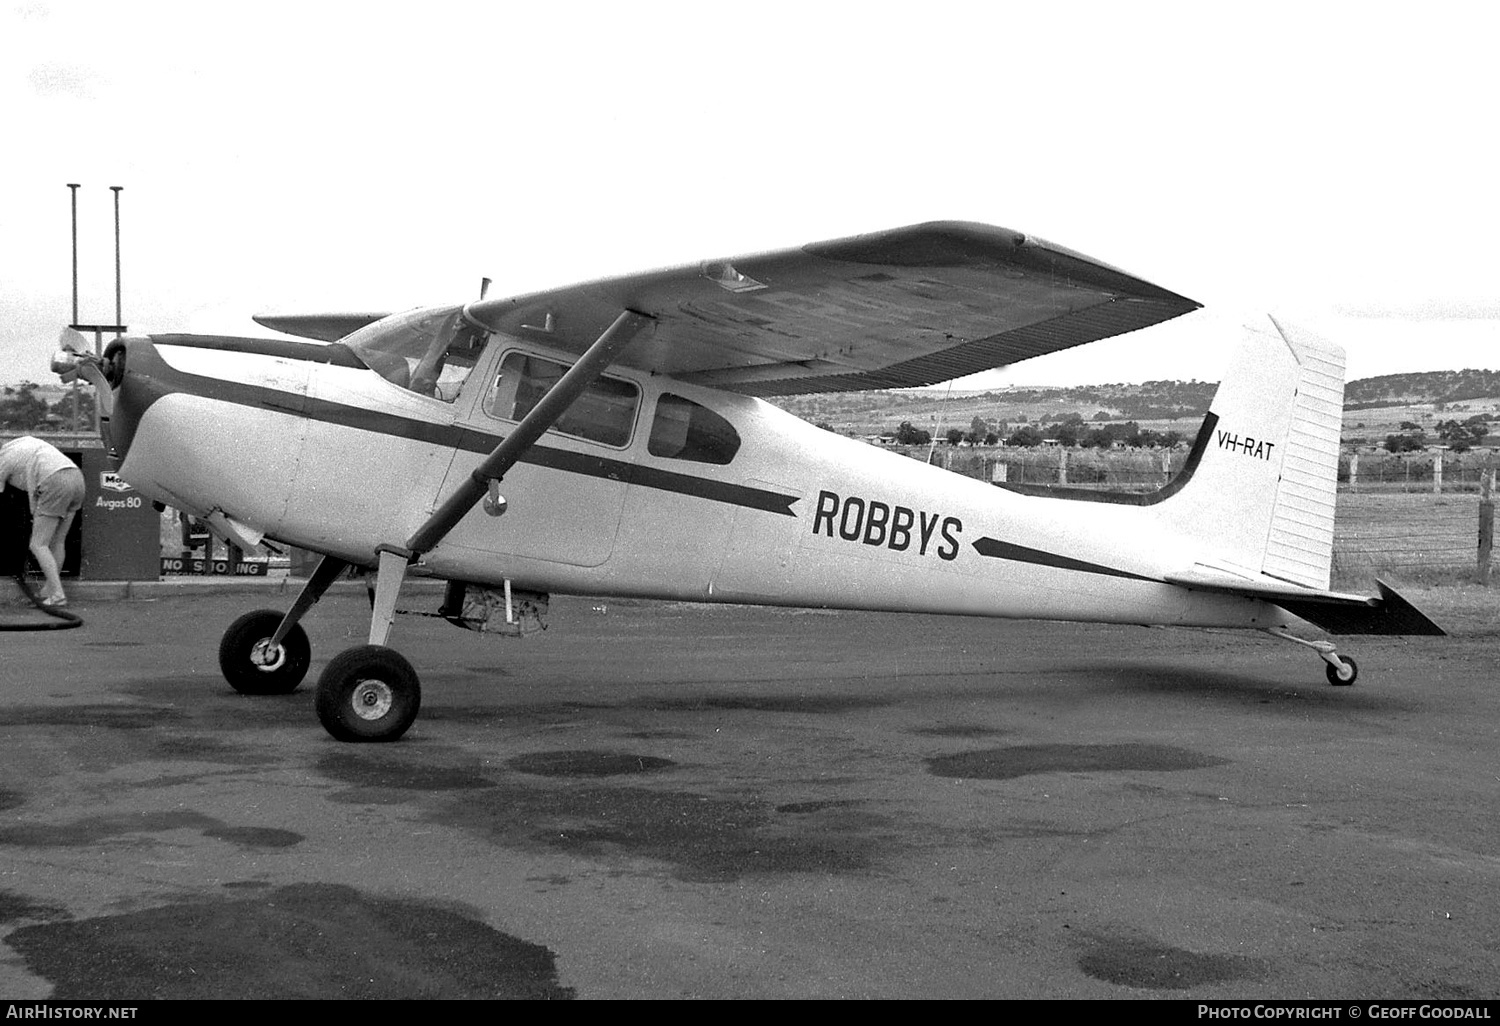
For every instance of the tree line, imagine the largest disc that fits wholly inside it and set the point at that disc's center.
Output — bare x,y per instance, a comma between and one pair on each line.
1457,435
1072,432
22,409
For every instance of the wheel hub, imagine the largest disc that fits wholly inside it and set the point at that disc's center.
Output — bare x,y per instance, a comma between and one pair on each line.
371,699
266,657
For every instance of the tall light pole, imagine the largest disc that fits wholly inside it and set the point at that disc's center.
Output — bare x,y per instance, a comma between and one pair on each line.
73,192
116,190
116,328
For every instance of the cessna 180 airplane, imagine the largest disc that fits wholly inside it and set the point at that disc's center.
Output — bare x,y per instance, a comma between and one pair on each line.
625,420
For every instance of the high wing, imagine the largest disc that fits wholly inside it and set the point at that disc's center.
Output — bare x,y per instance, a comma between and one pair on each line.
326,327
893,309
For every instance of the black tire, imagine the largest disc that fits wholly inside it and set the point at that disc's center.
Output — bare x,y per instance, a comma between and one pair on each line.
369,693
245,674
1336,679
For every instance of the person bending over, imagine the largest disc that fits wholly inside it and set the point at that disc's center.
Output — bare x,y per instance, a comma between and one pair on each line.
54,485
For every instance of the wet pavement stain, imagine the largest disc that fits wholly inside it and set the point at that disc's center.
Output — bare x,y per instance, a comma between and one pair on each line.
1147,965
210,748
802,808
255,837
700,838
384,772
544,714
807,704
109,717
487,671
1204,685
300,941
548,802
17,908
704,839
958,731
93,831
586,764
1444,990
208,703
1025,760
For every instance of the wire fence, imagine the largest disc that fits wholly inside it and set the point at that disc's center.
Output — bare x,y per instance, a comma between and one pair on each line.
1435,471
1130,470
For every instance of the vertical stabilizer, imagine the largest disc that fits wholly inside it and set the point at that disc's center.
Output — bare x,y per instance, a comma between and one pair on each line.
1261,500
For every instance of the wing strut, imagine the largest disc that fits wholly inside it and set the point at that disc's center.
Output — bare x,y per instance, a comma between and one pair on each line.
395,559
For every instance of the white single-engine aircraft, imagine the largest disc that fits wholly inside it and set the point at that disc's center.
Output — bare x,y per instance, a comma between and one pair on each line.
624,418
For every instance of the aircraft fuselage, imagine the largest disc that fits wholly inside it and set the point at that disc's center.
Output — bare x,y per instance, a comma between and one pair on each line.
332,457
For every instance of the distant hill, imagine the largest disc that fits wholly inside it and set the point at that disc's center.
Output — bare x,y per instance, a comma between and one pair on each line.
1155,403
882,411
1421,387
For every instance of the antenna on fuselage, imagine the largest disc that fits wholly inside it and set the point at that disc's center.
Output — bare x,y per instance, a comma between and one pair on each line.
484,287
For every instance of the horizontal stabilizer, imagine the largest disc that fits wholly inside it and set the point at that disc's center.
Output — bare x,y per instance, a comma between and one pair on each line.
1335,612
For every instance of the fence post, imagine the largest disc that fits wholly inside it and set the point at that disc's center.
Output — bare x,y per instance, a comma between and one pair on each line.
1000,472
1354,472
1437,472
1062,466
1486,525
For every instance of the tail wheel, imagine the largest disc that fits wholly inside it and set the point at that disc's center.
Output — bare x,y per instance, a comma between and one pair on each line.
252,666
369,693
1343,678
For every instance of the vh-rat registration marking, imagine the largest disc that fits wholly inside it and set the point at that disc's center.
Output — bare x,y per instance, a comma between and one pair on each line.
1256,448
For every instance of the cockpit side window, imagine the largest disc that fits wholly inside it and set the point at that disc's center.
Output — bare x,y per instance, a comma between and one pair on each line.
685,430
431,351
604,413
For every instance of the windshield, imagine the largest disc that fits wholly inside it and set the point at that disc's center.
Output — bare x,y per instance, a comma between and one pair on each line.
429,351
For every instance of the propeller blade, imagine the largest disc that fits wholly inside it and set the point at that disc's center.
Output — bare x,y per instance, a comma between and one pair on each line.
72,341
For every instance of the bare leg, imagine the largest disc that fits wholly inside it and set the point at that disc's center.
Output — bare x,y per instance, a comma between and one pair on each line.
43,528
59,544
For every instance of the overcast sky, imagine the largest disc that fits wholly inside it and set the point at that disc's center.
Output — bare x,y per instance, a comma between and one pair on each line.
1334,164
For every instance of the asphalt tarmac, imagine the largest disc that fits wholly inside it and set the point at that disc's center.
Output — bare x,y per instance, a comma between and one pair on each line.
671,801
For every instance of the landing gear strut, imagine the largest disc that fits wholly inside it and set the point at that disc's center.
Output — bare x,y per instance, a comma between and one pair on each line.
1341,670
371,693
265,653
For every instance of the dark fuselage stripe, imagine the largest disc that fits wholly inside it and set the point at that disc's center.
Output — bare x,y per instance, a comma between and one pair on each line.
997,549
466,438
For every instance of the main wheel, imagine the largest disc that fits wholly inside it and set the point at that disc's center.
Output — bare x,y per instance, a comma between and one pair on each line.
1347,677
369,693
250,665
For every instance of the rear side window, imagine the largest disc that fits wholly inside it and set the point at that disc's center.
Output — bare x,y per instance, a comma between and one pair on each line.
685,430
604,413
